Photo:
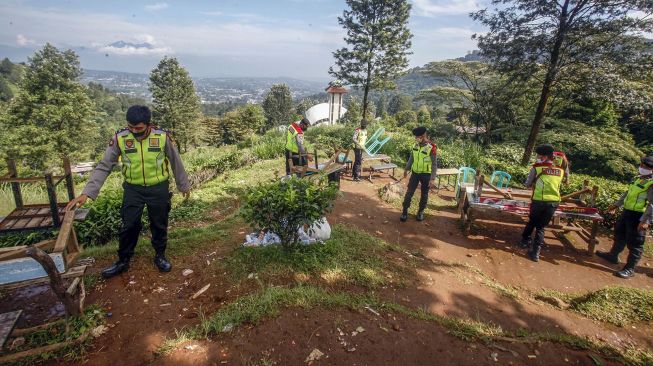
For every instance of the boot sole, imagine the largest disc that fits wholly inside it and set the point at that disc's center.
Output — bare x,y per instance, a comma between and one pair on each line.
106,276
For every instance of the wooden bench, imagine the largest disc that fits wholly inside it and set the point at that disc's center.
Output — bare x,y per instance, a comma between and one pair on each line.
382,168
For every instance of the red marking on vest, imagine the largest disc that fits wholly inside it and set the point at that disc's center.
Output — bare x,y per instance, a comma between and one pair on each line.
297,128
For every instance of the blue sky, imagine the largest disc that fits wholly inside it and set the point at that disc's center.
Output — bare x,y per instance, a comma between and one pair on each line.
292,38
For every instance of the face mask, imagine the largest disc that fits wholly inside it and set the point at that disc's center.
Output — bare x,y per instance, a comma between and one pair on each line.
539,161
644,171
139,134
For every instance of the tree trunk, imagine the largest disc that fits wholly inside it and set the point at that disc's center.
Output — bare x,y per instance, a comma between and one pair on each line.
367,88
56,283
551,75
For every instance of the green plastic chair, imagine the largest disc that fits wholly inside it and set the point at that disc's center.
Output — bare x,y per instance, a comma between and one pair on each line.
375,143
465,175
502,179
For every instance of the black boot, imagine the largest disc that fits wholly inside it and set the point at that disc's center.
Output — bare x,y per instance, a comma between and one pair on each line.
525,243
534,254
625,273
117,268
404,216
608,257
162,263
420,215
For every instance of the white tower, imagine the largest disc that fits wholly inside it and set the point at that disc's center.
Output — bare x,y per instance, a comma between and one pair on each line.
336,93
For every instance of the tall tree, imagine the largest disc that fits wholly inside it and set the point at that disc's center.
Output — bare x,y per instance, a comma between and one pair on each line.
51,115
400,102
554,38
176,104
278,106
378,43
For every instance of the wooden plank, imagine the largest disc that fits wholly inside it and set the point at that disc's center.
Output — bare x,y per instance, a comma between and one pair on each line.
20,252
22,269
70,185
71,273
7,324
72,289
18,332
56,282
64,231
15,187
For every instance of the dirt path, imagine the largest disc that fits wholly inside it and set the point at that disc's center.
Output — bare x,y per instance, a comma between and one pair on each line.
443,291
146,307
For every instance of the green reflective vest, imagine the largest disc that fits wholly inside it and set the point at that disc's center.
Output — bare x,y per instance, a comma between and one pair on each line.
636,198
291,138
422,159
362,137
547,182
144,162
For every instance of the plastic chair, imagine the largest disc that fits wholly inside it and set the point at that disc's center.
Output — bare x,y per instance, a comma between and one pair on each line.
502,179
465,174
374,143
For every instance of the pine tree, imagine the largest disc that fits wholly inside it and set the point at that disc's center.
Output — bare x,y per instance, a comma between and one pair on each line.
176,104
51,116
278,106
378,42
399,103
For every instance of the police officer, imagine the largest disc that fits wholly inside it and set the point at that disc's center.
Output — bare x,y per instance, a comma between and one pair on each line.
359,138
545,178
295,144
147,153
423,165
632,224
560,159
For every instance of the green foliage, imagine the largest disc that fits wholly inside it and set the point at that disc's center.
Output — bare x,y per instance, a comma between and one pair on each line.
278,106
284,207
22,238
378,43
330,138
235,126
407,117
176,106
103,221
269,146
399,103
49,116
608,153
424,116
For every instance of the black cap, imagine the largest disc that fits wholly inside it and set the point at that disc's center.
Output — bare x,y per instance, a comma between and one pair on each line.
138,113
363,122
546,150
305,121
419,131
648,161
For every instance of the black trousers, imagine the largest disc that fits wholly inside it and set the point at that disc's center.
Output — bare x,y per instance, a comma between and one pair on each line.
358,163
134,199
296,160
626,234
539,217
423,179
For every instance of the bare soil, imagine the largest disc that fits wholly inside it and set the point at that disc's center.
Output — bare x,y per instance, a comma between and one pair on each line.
144,307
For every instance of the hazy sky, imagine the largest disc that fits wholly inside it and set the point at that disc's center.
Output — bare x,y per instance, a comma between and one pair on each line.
293,38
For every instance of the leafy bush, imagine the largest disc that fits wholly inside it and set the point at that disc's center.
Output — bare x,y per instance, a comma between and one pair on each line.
609,192
331,138
103,221
285,206
25,238
608,153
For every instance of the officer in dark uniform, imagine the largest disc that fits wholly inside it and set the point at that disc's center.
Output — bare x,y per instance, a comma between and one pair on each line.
632,224
545,177
148,153
423,165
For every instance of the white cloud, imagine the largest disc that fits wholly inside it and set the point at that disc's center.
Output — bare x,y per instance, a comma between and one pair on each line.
156,7
432,8
21,40
135,51
445,42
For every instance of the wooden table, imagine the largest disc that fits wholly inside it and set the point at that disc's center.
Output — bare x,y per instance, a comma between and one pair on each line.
7,324
448,173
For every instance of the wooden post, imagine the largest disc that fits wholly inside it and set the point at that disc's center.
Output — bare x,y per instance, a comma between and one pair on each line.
15,186
52,196
593,241
55,279
70,186
315,157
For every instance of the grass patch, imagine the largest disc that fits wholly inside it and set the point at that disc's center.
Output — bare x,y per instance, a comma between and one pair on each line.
617,305
93,316
350,256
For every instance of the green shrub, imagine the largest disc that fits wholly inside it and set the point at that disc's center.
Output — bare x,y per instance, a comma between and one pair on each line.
103,222
285,206
331,138
25,238
608,152
609,192
269,146
459,153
